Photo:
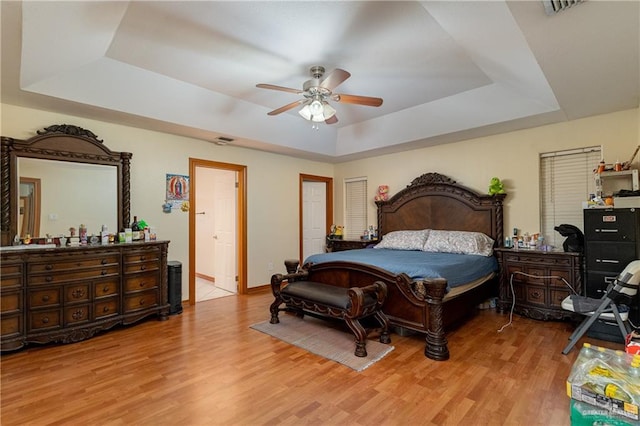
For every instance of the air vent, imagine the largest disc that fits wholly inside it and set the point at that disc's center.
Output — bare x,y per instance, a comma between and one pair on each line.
554,6
221,140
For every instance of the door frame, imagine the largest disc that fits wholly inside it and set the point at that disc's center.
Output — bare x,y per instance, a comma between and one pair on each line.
328,181
241,231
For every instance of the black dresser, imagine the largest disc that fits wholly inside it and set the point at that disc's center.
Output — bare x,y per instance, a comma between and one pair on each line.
612,241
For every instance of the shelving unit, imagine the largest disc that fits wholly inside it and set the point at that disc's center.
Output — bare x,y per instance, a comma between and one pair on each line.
609,182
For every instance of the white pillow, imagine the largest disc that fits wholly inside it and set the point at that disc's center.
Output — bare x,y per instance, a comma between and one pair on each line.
464,242
404,240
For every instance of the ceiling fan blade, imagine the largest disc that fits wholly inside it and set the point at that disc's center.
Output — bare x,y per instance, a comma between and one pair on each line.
355,99
286,107
282,89
334,79
332,120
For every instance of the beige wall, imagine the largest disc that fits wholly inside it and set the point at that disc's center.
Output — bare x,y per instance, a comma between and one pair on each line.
272,180
272,185
513,157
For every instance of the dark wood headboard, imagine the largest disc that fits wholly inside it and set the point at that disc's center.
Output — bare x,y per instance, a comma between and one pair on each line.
434,201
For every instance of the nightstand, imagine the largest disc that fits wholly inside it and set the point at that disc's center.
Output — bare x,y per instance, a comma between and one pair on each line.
341,245
537,279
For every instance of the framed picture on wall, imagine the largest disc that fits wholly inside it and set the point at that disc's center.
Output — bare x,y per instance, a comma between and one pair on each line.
177,190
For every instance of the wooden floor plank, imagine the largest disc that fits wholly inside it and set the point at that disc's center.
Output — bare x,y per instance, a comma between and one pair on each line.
206,366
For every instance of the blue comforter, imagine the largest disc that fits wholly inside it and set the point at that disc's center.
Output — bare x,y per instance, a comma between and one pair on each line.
457,269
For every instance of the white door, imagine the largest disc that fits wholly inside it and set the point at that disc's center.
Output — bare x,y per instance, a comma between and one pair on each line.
225,225
314,217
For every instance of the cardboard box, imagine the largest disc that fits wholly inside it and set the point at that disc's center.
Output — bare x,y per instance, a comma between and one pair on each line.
626,202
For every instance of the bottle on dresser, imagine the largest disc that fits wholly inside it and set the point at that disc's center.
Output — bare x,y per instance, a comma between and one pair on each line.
135,229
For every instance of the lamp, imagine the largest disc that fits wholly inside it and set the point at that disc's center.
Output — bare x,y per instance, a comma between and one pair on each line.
317,111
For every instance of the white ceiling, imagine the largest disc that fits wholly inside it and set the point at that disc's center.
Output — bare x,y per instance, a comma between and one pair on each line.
447,71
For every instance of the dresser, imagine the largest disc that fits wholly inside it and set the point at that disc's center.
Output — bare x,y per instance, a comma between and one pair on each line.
70,294
341,245
612,241
536,279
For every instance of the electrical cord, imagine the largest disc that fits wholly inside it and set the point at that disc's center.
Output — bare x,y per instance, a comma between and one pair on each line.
513,294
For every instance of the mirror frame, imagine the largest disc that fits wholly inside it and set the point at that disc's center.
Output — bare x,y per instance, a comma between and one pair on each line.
61,142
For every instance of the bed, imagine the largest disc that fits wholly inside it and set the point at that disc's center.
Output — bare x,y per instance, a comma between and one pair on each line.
430,305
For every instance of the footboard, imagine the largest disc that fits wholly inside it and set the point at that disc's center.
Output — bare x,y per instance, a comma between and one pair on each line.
404,307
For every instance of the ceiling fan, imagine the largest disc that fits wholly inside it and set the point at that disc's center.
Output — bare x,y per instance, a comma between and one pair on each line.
316,94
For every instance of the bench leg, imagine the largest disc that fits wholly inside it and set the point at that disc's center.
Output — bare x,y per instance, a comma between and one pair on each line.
384,322
361,336
275,309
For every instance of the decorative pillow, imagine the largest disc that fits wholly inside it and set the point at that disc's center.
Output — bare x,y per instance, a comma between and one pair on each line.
404,240
464,242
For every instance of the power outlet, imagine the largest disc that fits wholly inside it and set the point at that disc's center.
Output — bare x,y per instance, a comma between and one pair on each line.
270,266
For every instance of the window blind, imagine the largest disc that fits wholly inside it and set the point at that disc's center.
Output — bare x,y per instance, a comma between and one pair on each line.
566,180
355,190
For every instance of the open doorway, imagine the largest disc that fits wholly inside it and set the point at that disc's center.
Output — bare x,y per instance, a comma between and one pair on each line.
316,213
217,230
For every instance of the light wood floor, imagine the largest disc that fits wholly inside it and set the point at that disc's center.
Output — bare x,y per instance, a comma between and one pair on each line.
207,367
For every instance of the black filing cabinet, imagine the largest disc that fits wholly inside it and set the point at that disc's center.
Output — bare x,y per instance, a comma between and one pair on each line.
612,241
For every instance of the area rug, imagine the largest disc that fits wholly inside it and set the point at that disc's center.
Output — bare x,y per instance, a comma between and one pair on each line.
322,338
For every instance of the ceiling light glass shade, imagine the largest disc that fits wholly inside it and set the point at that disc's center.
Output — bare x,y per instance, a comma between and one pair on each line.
305,112
328,111
316,107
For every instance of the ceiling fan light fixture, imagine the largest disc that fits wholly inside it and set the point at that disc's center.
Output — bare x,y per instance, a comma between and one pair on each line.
316,107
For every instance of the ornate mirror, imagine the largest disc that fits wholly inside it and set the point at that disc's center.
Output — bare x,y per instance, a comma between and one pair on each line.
59,179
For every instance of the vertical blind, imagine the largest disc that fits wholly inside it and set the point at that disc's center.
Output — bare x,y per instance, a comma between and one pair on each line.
355,205
566,180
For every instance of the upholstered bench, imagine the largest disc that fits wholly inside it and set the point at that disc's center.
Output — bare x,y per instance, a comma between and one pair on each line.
348,304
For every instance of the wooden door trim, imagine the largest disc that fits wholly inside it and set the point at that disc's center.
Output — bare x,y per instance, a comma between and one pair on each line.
241,222
328,181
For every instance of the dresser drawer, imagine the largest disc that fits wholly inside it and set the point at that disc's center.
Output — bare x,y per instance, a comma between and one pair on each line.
82,274
47,319
141,282
76,314
139,301
11,275
10,326
76,293
73,263
611,225
106,288
556,297
45,297
609,256
138,256
535,295
151,265
10,302
106,308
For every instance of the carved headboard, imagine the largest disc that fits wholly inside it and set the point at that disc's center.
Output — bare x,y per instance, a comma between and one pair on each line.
434,201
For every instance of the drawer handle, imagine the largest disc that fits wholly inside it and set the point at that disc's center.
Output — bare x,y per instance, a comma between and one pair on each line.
45,320
78,314
48,267
45,298
607,230
536,294
143,283
141,302
48,279
608,261
143,257
143,267
105,289
78,293
103,272
105,309
104,261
